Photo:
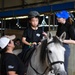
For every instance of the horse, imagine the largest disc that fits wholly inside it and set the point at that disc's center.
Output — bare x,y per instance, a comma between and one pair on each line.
48,57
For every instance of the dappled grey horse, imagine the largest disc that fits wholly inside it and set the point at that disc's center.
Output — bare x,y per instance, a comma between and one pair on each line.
49,56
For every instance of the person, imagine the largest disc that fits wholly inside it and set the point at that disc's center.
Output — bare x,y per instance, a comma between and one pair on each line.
32,35
17,42
10,63
65,24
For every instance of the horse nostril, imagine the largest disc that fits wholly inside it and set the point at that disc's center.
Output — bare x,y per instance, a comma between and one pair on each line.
58,74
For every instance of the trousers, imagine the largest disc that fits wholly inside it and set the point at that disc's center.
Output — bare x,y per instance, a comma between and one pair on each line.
67,54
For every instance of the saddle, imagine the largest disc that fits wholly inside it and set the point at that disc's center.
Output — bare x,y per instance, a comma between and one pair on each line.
28,54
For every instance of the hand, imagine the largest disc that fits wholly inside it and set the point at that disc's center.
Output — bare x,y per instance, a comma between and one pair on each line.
39,43
45,34
34,43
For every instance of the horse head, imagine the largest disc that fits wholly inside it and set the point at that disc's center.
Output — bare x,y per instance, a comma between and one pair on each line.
55,53
48,56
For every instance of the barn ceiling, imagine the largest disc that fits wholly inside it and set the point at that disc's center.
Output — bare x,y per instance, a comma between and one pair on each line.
20,4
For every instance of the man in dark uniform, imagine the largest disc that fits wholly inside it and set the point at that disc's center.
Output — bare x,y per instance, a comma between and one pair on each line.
10,63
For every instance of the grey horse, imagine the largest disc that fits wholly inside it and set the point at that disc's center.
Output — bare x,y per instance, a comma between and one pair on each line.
48,57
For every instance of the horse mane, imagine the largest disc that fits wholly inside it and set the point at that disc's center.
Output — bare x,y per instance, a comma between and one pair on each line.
44,46
43,50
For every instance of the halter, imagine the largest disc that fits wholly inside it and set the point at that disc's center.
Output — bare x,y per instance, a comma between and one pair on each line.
50,63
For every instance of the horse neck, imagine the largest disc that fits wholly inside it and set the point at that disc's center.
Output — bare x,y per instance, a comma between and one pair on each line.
35,60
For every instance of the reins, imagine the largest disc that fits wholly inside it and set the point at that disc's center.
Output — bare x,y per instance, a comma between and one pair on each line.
50,63
37,71
45,69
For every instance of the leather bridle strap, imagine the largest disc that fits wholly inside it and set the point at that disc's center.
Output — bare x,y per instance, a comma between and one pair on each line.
52,63
57,62
37,71
50,42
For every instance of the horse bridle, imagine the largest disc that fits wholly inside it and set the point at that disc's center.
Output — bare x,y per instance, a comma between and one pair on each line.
50,63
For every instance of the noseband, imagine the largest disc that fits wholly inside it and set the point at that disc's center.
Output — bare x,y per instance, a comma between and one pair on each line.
50,63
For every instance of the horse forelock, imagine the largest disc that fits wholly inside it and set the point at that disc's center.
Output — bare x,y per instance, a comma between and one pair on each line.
43,50
56,40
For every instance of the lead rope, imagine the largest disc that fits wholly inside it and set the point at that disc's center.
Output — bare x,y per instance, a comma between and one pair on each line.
37,71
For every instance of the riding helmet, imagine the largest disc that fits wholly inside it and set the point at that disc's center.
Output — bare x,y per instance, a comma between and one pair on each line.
33,14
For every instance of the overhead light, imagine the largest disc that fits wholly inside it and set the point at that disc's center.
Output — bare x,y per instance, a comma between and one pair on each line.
8,18
18,17
21,17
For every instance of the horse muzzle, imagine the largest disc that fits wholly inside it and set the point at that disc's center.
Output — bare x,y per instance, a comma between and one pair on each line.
61,73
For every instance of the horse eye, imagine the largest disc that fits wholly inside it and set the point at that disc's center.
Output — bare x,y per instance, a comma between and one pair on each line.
50,51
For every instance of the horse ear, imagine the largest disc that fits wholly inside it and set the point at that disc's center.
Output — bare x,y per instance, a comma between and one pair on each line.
63,36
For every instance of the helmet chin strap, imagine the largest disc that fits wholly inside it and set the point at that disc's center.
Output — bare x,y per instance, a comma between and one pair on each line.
35,28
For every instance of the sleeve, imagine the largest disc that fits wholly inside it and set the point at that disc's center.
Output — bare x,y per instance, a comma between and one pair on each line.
24,33
72,32
41,32
58,32
11,64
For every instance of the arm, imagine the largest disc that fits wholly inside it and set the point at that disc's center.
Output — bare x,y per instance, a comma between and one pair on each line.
25,35
69,41
11,73
28,43
11,65
25,42
72,32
